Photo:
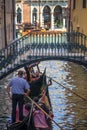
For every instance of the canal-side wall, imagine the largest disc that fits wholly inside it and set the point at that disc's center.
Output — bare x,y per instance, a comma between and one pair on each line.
7,22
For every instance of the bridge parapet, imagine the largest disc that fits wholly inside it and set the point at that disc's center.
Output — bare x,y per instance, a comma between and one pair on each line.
35,46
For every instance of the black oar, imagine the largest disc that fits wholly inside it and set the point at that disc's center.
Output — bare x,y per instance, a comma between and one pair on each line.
44,112
68,89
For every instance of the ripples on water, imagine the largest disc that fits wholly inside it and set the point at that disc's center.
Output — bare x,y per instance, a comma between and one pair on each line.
70,111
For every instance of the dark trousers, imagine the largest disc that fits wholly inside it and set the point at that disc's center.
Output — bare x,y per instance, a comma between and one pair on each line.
17,99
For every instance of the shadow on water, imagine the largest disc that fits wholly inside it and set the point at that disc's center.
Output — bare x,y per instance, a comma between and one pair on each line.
70,111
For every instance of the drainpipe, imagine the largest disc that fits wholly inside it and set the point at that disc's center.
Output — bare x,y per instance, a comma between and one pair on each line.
5,32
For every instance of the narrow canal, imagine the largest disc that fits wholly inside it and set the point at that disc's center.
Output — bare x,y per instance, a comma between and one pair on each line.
69,107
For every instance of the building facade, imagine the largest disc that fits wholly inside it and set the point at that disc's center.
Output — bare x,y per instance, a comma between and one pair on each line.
7,22
49,14
79,15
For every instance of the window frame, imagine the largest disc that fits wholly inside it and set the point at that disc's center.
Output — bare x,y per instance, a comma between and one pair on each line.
74,4
84,3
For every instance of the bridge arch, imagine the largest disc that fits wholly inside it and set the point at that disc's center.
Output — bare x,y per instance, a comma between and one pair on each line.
42,59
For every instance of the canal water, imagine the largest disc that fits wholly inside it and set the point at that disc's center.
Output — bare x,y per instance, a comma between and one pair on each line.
67,93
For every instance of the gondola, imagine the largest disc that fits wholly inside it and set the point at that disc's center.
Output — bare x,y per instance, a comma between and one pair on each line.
37,87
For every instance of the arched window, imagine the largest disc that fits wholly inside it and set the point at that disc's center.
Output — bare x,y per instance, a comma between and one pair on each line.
47,17
58,20
19,15
35,16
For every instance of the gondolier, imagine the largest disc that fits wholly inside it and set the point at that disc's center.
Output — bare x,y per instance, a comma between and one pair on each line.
17,88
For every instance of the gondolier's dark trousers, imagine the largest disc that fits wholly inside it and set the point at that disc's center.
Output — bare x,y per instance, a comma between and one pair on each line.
17,99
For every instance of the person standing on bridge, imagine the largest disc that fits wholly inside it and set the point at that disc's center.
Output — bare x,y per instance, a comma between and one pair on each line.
17,88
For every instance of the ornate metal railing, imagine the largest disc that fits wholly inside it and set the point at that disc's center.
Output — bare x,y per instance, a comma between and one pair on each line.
41,46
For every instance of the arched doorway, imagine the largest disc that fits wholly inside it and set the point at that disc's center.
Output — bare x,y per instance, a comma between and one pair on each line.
47,17
58,20
34,20
19,15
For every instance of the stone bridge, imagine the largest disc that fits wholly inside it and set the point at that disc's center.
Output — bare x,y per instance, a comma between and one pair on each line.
68,46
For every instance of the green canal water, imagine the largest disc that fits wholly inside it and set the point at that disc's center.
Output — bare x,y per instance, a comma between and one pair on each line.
70,110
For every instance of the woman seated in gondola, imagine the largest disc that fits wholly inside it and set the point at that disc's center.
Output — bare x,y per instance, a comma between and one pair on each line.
31,74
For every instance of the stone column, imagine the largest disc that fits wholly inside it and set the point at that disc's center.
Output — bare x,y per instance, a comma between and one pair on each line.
63,16
63,22
52,21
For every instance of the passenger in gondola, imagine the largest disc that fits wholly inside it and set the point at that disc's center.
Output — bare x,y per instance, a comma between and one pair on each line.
32,74
39,117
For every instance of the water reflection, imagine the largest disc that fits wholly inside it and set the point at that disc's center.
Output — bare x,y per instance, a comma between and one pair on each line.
70,111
